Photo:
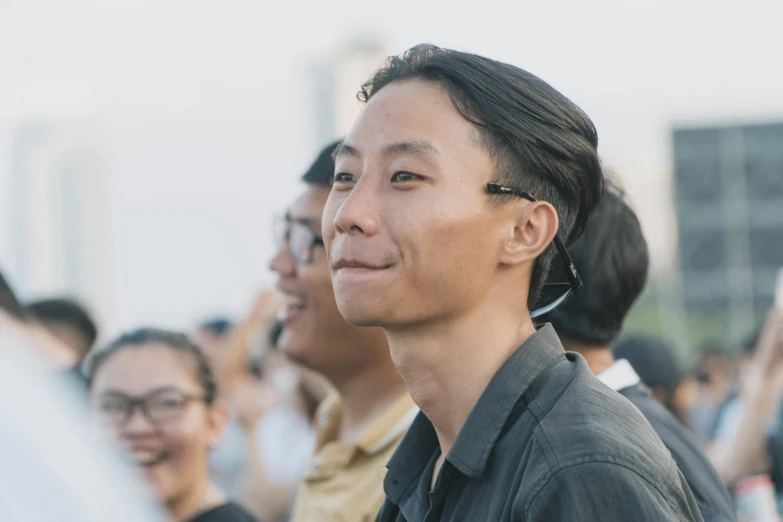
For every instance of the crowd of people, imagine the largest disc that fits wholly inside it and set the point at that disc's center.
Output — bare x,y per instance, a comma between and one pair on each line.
444,342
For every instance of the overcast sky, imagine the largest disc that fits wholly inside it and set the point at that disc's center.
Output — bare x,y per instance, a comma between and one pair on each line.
205,109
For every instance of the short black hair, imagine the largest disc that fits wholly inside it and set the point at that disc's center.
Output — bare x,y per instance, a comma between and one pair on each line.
613,259
321,171
68,312
8,301
218,327
540,140
174,340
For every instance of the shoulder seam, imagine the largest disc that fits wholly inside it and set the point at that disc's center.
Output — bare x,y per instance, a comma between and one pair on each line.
594,460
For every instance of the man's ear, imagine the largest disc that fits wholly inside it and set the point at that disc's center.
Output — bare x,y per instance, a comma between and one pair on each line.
534,229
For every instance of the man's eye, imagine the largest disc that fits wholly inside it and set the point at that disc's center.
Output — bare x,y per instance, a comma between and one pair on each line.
343,177
403,177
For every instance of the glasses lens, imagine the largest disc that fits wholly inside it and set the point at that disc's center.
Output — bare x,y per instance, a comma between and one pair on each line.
114,410
300,241
556,288
165,406
279,231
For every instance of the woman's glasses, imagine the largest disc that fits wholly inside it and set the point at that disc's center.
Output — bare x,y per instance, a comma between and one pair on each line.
158,407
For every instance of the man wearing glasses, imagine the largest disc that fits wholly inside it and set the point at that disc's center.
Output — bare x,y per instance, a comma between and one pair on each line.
452,192
357,430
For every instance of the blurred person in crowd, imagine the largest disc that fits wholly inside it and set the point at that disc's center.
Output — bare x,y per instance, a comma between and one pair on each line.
613,259
741,447
18,329
714,371
157,392
212,335
69,321
54,466
268,441
653,360
357,428
453,189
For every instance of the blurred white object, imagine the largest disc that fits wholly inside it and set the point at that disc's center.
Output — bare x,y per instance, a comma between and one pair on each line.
756,500
55,465
779,290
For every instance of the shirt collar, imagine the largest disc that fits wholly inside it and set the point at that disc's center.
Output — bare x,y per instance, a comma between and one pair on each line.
478,435
619,376
389,427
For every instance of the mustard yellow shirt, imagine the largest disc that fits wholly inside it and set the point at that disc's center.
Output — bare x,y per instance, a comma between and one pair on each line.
344,482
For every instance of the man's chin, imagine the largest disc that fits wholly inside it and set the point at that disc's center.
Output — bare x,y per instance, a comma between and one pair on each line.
358,316
296,349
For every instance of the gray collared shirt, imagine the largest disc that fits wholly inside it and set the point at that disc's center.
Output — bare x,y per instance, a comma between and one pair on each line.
546,442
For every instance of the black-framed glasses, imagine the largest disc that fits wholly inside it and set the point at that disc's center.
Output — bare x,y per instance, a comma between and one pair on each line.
158,407
555,294
298,237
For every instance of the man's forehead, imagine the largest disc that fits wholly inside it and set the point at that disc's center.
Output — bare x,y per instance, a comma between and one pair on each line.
408,118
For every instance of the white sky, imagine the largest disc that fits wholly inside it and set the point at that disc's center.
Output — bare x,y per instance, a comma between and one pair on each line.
206,108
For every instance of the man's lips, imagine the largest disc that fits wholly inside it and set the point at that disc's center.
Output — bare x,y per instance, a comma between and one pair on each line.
357,263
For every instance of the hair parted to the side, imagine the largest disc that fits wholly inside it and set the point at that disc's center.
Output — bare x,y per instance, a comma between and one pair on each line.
540,141
172,340
613,259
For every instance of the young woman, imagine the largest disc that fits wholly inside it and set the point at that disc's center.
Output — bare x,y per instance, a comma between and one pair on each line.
157,392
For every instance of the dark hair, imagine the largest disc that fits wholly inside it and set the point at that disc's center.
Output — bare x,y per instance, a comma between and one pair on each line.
653,359
321,171
66,311
8,301
217,327
612,259
174,340
540,141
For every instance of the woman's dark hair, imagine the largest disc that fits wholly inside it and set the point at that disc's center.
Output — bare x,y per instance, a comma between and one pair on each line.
173,340
540,140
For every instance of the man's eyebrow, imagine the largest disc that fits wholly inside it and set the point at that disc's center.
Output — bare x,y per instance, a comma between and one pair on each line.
421,148
343,149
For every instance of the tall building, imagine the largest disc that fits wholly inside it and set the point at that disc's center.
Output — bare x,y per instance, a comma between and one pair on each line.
59,215
729,202
337,79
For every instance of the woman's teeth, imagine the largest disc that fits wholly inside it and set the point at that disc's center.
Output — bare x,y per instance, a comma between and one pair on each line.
146,458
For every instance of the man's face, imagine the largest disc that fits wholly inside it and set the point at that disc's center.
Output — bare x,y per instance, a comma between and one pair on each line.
314,332
410,231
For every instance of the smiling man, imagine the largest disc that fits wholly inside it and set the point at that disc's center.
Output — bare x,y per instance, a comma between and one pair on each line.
451,192
357,430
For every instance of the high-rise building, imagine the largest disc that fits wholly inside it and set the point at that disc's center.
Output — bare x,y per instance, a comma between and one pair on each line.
59,215
337,79
729,202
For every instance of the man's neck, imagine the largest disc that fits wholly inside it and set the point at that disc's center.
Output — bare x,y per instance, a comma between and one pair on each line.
599,358
447,366
366,396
